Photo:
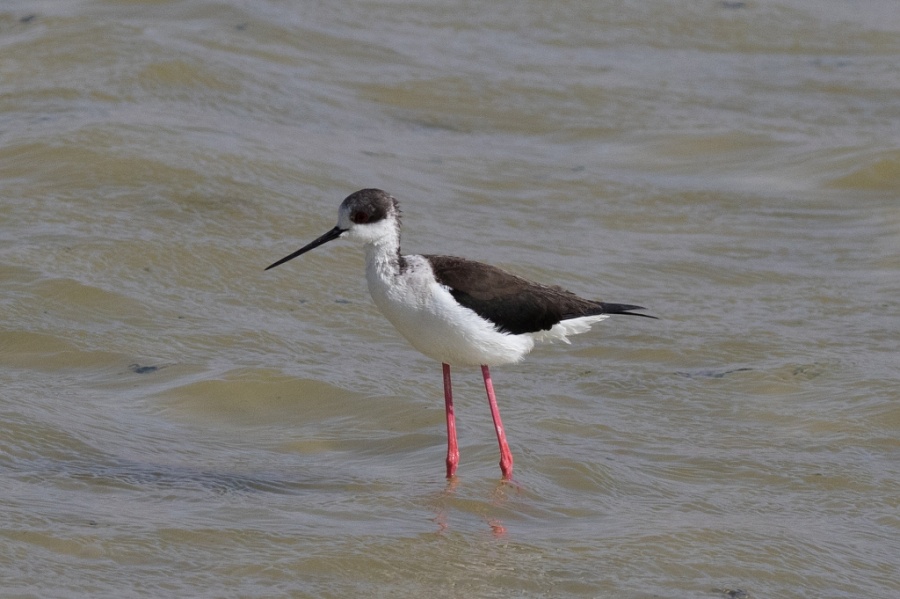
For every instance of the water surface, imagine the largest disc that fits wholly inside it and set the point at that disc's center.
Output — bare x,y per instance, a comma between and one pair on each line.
174,421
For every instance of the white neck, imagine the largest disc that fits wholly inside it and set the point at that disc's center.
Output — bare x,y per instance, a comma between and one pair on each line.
383,256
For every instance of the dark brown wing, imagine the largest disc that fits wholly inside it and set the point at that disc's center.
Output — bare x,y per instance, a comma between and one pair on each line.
515,305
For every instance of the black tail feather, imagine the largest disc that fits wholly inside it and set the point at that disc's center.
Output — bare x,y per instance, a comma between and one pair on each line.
624,309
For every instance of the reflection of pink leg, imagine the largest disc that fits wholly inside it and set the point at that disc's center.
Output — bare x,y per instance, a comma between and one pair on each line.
452,447
506,459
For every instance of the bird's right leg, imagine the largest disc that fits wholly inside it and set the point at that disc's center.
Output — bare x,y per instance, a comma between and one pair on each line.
452,447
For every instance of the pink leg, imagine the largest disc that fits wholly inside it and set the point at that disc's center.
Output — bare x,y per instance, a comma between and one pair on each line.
506,459
452,447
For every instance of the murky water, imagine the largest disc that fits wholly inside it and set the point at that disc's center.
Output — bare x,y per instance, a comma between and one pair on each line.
175,422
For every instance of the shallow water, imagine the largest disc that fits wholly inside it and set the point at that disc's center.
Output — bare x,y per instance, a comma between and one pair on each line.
178,422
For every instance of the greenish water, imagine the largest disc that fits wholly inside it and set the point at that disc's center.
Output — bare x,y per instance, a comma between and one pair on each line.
176,422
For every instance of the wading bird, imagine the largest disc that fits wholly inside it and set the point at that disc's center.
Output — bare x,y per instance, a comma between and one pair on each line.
458,311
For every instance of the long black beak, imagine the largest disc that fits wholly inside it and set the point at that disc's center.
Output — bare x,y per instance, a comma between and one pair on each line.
332,234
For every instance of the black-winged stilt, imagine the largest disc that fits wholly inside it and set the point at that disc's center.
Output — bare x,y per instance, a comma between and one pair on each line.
458,311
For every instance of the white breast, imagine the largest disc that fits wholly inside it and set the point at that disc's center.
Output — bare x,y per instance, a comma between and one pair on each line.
426,314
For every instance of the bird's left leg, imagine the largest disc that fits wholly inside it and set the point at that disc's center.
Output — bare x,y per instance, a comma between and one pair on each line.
506,459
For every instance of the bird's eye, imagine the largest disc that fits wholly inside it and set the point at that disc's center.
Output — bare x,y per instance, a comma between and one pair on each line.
359,217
